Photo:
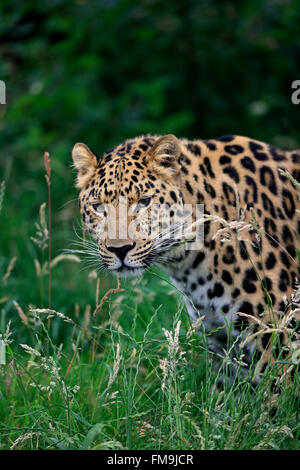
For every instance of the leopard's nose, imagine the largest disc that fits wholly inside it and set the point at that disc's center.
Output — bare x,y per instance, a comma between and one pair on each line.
121,251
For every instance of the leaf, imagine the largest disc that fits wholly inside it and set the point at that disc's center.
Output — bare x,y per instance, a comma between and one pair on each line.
82,420
91,436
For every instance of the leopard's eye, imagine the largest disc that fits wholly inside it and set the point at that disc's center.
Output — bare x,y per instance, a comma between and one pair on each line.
99,208
145,201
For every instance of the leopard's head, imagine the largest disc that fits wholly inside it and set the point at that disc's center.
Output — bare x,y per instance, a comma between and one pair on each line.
130,199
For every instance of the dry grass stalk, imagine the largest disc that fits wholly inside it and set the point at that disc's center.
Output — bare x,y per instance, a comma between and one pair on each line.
251,317
87,320
30,350
175,355
42,234
116,367
23,438
47,163
77,310
117,290
281,327
21,313
97,291
163,364
37,268
60,258
194,326
51,313
173,340
2,193
290,177
9,269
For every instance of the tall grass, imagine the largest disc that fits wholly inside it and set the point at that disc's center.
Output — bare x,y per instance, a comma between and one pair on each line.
136,374
121,380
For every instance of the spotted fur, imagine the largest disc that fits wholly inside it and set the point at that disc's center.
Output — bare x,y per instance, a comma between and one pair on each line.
232,176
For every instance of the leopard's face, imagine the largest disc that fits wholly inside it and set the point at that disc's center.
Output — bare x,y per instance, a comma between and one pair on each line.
126,198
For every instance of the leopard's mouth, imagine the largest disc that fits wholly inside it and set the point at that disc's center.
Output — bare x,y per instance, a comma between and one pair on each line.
127,271
129,267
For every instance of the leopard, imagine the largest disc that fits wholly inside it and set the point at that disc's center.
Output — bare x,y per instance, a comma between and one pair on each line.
244,269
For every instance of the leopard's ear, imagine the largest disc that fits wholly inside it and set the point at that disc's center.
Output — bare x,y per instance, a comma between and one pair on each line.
85,163
164,155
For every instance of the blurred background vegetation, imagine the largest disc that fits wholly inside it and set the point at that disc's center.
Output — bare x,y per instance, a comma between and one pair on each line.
102,71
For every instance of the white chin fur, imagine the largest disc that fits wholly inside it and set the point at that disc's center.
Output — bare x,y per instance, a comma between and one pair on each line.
127,272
